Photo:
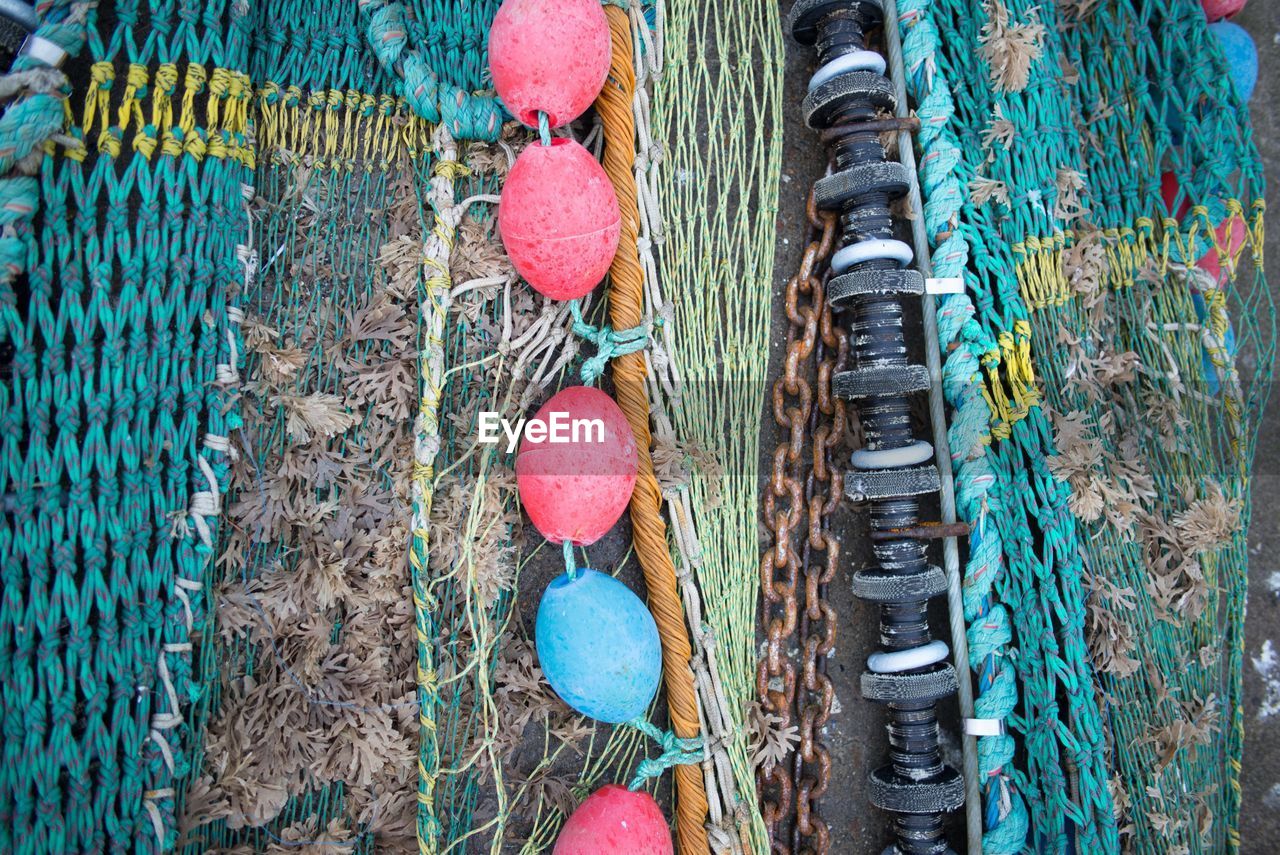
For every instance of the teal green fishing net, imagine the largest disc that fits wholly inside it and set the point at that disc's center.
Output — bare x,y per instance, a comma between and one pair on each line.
116,327
1108,365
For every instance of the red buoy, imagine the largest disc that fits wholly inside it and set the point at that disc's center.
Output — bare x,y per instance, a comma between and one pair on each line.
576,471
549,56
558,217
616,821
1169,189
1216,10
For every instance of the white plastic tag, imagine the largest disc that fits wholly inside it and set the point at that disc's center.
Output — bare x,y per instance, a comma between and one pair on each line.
949,285
984,726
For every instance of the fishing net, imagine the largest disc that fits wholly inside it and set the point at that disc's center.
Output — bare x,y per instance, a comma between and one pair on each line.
718,108
264,591
1107,366
311,714
369,597
120,353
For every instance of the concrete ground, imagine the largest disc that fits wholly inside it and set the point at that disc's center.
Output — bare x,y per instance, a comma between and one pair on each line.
854,735
1260,818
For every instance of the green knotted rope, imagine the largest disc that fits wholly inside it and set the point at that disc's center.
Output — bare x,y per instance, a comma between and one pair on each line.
466,114
26,125
608,342
676,751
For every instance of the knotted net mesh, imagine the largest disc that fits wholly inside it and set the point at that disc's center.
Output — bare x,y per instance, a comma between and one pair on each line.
1109,363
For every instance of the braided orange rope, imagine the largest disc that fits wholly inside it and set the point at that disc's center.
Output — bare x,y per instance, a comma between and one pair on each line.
626,307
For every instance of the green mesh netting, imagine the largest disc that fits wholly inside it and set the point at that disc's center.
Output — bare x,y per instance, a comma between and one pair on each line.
719,111
115,323
316,621
1107,389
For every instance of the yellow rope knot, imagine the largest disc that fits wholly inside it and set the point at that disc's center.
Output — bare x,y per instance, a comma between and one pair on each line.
451,169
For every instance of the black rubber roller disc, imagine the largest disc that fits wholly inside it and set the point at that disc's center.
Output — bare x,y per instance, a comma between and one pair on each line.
877,586
881,382
823,104
890,483
941,794
938,682
889,177
862,283
802,20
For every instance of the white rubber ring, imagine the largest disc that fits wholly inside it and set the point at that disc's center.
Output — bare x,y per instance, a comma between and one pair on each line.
43,50
862,60
891,458
871,250
985,727
897,661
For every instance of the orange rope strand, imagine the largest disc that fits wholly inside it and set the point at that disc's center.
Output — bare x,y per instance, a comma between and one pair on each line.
626,308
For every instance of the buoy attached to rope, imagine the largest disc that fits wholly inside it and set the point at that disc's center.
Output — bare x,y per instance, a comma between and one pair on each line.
549,56
559,219
616,820
576,472
598,646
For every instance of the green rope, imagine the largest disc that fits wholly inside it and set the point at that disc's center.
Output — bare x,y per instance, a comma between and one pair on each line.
466,114
676,751
570,565
608,342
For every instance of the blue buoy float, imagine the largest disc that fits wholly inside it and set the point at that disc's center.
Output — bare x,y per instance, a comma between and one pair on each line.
598,646
1241,54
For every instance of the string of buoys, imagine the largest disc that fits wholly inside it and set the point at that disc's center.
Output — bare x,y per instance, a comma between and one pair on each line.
558,216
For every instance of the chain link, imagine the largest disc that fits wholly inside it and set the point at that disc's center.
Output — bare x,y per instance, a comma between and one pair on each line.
800,626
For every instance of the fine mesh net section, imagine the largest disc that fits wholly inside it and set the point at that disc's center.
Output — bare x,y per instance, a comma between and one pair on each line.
718,112
315,640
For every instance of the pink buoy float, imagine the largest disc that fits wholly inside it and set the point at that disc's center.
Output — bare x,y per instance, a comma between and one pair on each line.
549,56
1170,187
1216,10
575,474
617,821
559,221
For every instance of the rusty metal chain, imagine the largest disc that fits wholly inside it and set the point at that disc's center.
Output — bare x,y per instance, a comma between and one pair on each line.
800,626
